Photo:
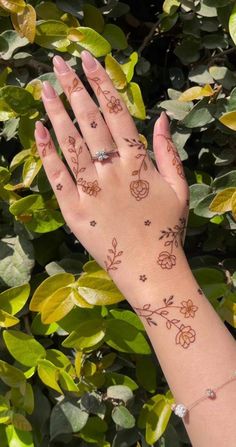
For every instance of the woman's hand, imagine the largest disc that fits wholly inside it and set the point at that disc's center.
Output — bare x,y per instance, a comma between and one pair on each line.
130,216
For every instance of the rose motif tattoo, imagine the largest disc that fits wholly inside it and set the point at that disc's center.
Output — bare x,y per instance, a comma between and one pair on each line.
167,259
139,188
45,147
113,104
112,261
176,158
185,334
90,188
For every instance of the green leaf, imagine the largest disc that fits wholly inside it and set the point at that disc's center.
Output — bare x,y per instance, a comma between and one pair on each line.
120,392
49,374
128,316
16,260
197,192
18,438
74,7
176,109
67,383
133,98
23,347
88,39
147,381
87,334
203,207
199,116
122,417
52,34
124,337
159,412
94,430
4,175
48,287
20,422
66,417
212,282
12,300
222,202
38,328
14,42
93,18
17,99
232,24
58,305
10,375
170,6
115,36
112,378
225,181
115,72
30,170
98,291
23,399
7,320
128,67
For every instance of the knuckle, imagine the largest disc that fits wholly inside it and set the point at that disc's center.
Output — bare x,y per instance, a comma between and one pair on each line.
88,115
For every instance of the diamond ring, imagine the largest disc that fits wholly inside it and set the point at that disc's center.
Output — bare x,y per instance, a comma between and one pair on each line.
103,155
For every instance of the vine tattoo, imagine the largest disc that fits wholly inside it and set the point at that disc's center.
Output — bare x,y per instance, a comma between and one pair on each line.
75,87
176,158
90,188
45,147
112,261
185,334
139,188
167,259
113,104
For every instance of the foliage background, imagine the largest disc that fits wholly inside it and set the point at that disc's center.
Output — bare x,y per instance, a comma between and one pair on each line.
75,365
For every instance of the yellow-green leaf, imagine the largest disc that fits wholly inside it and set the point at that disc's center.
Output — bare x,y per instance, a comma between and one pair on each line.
10,375
156,413
31,168
12,300
66,382
232,24
98,291
233,205
13,5
58,305
170,6
49,375
196,92
25,22
115,72
52,34
48,287
134,101
229,120
23,347
222,201
228,312
18,438
19,421
7,320
128,67
88,39
86,335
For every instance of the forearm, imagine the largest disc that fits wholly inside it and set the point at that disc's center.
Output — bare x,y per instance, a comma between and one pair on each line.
205,358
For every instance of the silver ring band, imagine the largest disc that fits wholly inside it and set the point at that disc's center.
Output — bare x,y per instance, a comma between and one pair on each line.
103,155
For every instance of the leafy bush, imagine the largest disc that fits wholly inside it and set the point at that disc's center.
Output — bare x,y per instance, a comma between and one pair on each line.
76,367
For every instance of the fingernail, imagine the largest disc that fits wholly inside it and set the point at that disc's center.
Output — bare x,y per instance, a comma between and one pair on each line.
88,60
48,90
60,65
40,130
163,124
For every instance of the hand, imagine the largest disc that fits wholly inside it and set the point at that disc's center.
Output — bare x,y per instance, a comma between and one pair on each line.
130,216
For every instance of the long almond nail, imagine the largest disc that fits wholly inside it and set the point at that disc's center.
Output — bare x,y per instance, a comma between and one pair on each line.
60,65
40,130
48,90
88,60
163,124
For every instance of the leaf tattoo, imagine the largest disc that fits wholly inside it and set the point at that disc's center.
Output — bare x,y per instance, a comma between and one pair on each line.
167,259
176,161
112,261
75,87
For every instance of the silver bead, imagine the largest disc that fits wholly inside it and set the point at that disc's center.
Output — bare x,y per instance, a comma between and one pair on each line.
102,155
180,410
210,393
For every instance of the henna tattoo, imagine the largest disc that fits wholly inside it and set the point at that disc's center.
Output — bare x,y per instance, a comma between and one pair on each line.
90,188
176,161
186,334
59,187
113,103
93,223
167,259
143,278
112,261
139,188
93,124
45,147
147,223
75,87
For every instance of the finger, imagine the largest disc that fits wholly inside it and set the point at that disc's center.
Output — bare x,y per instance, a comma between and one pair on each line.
90,120
168,161
69,139
62,184
115,112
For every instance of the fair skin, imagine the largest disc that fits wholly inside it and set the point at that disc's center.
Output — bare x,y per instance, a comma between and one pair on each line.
131,217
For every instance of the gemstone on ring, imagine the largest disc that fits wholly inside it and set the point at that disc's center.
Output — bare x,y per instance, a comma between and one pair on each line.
180,410
101,155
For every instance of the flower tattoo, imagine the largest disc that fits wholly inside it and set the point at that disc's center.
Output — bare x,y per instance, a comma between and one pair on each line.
185,334
143,278
112,261
59,187
45,147
167,259
93,223
147,223
113,104
139,188
90,188
176,161
93,124
75,87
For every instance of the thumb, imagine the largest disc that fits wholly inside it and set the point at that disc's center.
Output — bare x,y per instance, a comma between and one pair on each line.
167,158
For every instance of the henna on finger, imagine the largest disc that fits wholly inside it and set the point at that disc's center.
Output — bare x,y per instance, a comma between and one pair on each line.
113,104
167,259
76,86
45,147
176,161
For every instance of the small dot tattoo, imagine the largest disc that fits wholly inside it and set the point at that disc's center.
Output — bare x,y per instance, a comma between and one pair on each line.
200,291
143,278
93,124
147,223
59,187
93,223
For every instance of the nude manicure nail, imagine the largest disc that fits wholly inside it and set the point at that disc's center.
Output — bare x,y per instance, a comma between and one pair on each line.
163,124
88,60
40,130
48,90
60,65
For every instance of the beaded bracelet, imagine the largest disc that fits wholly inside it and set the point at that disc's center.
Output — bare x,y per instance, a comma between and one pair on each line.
182,410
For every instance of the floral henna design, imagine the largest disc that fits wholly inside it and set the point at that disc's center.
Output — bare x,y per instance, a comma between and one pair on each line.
59,187
45,147
93,223
93,124
75,87
143,278
176,158
112,261
167,259
139,188
113,103
90,188
147,223
186,334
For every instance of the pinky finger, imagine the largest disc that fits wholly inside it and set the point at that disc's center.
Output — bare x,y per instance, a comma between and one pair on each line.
61,181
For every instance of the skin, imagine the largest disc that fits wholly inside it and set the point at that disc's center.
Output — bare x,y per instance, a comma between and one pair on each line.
121,210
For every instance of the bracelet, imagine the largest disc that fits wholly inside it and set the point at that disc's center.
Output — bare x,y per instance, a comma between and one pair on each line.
182,410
